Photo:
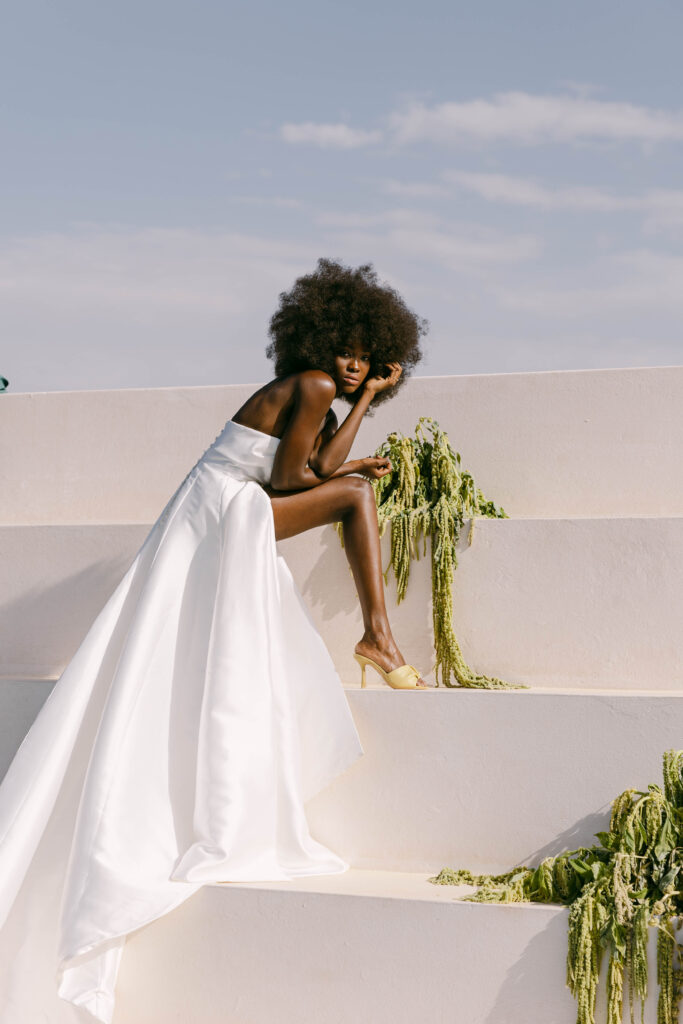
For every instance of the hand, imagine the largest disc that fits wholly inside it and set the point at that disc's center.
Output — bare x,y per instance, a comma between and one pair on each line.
373,468
379,383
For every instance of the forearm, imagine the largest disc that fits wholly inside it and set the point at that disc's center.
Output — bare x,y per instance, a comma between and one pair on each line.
309,478
331,455
354,466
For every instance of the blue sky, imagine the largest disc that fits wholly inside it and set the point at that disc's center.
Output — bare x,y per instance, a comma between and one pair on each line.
513,168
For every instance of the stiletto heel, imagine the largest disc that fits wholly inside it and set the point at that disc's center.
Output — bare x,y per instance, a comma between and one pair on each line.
402,678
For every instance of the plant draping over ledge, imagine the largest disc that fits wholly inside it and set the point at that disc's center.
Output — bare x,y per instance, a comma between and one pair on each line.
426,494
633,879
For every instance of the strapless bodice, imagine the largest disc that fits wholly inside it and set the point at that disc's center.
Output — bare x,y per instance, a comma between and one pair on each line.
243,452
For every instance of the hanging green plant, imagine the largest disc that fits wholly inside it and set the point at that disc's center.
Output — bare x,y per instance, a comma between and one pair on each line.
632,879
426,494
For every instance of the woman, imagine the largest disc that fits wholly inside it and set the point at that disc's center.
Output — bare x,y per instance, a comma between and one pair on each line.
346,328
202,709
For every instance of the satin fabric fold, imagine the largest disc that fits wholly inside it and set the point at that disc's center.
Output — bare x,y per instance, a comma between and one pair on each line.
177,749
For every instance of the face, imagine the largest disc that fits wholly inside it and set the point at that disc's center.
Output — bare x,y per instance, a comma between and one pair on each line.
352,365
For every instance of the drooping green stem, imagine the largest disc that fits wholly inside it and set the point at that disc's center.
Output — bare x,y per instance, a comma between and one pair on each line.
631,880
428,494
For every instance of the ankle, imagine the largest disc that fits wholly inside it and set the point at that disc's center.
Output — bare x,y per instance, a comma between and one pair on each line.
381,639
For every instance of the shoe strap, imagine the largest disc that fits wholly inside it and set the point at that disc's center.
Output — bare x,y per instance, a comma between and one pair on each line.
404,673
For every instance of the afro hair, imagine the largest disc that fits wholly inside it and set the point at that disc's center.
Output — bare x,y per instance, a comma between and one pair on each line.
336,306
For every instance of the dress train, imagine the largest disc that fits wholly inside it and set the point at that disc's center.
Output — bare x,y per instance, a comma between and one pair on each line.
178,747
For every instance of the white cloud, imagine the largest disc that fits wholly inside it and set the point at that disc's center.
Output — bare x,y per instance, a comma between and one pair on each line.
665,210
463,252
417,189
400,216
527,192
637,281
112,306
328,136
465,249
164,269
284,202
417,234
525,118
662,208
517,117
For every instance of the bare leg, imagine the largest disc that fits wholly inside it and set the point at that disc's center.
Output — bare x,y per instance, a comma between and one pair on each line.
351,501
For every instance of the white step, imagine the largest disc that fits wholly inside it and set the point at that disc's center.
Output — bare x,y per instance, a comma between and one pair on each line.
571,442
489,780
479,779
579,595
546,602
55,581
370,947
557,603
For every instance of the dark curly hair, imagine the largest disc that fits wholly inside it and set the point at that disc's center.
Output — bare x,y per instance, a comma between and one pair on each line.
336,306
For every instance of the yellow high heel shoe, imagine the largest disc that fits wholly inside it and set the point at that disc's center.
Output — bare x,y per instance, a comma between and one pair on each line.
402,678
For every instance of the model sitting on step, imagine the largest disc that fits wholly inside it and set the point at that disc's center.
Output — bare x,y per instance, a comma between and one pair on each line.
202,710
336,334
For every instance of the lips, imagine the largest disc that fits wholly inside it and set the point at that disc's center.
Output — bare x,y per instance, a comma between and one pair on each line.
351,380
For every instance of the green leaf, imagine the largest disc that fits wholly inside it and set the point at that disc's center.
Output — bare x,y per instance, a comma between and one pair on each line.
666,841
618,936
666,884
607,839
628,840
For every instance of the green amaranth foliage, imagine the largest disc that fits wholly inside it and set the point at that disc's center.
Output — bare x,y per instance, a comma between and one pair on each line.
426,494
633,879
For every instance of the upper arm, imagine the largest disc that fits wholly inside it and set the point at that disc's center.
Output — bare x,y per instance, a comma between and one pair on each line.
313,396
329,429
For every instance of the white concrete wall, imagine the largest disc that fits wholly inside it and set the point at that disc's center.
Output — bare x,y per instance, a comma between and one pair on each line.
572,443
563,603
352,948
473,779
579,593
489,780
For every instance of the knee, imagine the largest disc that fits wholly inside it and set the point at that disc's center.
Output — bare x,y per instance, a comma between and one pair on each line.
358,492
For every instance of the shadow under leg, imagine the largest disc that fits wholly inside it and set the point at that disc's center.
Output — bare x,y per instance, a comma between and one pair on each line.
351,501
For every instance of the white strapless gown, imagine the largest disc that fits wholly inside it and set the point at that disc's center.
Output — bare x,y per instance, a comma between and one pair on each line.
177,748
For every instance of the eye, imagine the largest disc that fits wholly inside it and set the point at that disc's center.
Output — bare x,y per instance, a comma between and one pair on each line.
365,358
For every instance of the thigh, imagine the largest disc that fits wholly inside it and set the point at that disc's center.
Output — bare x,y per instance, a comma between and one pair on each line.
296,511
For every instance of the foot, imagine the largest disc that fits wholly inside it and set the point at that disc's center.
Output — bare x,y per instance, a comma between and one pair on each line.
383,650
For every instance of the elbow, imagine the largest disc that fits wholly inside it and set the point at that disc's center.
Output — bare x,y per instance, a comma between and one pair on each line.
278,482
319,469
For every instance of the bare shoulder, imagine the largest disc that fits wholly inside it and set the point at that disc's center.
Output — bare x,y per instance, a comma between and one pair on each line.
316,389
316,382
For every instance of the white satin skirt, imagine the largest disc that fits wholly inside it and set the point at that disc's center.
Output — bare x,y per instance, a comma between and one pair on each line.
178,747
